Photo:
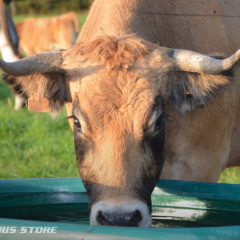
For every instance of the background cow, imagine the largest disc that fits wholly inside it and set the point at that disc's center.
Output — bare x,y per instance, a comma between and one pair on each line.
37,35
119,90
44,34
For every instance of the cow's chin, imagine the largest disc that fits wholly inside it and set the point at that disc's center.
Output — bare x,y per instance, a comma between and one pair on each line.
132,213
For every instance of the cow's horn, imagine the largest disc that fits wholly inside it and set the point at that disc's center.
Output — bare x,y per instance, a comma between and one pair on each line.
39,63
195,62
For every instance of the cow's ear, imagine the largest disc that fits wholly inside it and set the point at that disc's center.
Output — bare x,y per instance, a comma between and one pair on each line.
188,91
193,78
50,85
42,74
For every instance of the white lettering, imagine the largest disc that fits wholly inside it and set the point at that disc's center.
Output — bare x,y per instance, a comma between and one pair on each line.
13,230
47,230
53,230
39,230
8,230
23,230
4,229
31,229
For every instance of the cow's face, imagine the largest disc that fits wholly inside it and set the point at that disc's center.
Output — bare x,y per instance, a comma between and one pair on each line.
118,124
116,91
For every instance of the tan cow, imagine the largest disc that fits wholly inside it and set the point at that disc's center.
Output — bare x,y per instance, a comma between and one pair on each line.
119,90
44,34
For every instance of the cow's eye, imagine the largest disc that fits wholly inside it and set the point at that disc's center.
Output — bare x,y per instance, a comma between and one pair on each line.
77,125
159,122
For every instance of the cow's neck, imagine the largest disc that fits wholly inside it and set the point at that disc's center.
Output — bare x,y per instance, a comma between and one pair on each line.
116,18
174,24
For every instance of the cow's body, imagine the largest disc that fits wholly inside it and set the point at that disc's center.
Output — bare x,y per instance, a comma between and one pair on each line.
44,34
119,87
206,26
199,150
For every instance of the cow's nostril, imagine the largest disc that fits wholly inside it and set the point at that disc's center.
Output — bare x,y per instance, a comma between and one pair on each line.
136,218
103,218
119,219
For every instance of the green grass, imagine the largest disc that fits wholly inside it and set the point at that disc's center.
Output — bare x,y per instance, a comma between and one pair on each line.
36,145
81,17
230,175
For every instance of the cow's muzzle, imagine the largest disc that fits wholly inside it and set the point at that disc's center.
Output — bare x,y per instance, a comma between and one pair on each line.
133,213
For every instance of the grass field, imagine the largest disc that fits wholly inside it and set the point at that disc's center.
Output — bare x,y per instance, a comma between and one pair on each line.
81,17
36,145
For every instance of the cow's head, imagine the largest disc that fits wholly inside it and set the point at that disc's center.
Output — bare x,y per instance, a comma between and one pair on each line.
116,90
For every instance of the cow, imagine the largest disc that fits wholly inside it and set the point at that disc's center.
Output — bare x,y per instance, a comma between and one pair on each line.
44,34
138,110
9,45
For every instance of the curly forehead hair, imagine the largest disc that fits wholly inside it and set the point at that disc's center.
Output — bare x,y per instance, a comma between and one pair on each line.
116,52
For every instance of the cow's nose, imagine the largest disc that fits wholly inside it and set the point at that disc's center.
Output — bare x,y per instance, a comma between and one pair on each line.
129,213
119,219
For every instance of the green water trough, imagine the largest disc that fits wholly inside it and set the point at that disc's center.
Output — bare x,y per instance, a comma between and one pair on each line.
58,209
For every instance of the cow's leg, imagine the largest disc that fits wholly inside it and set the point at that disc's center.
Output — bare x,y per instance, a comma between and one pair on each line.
19,102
